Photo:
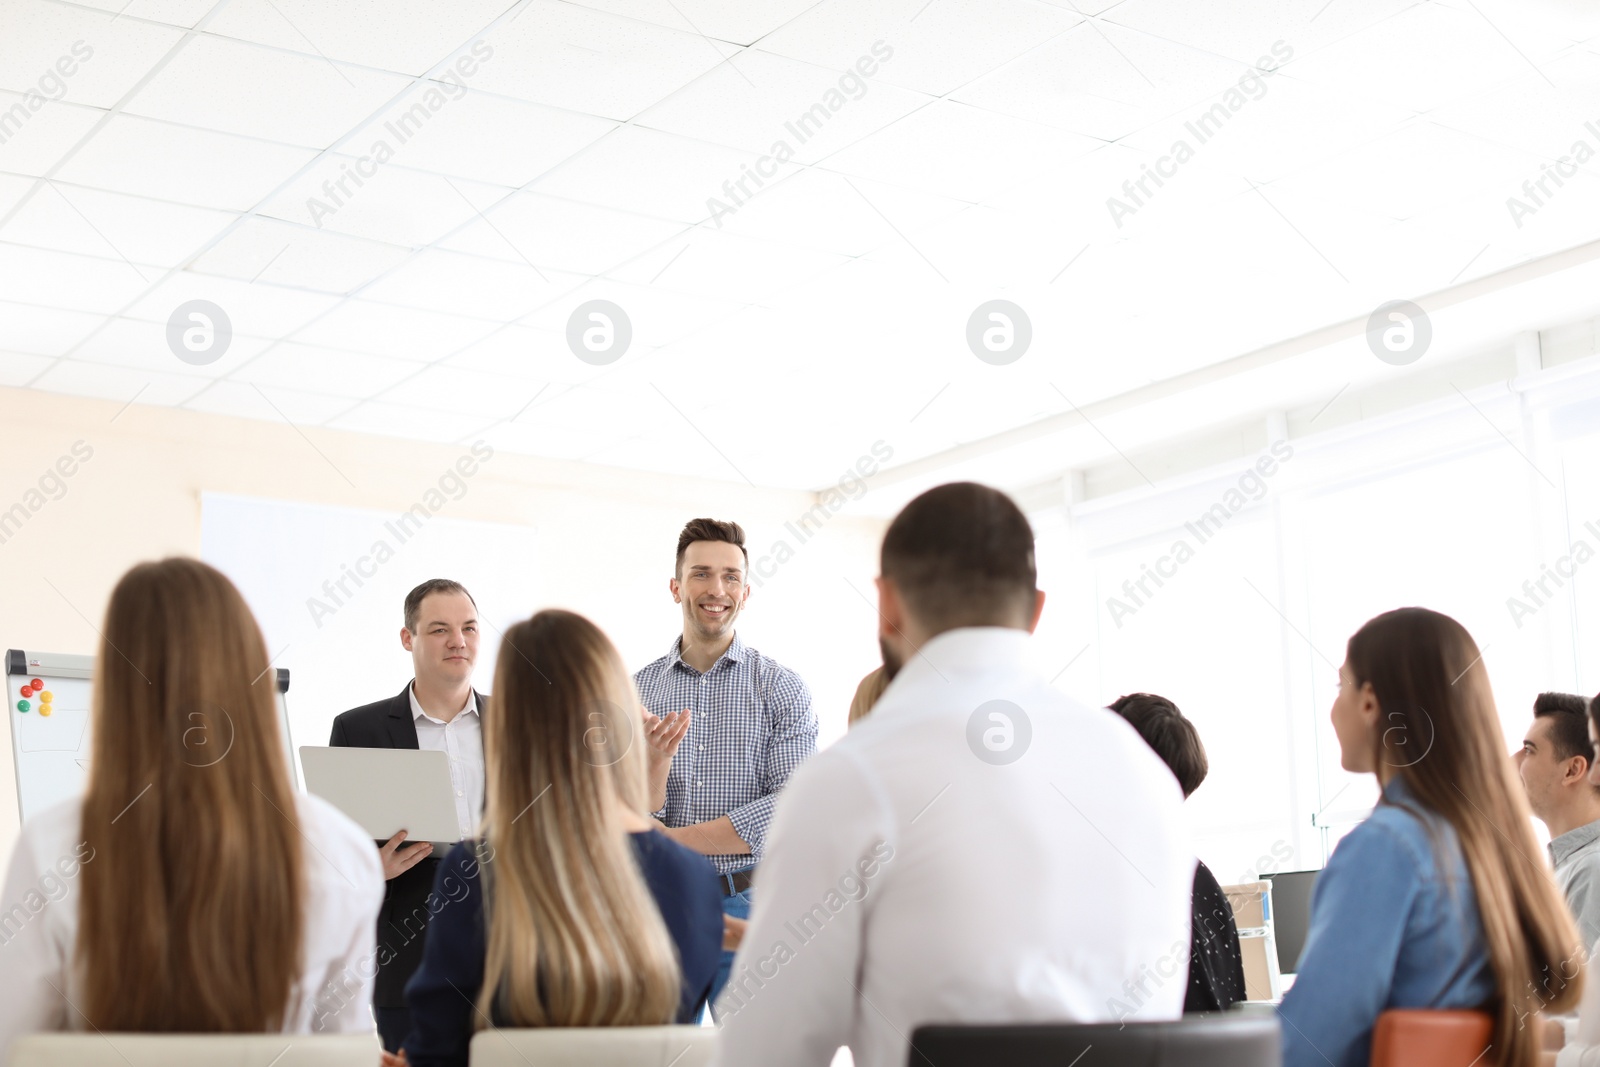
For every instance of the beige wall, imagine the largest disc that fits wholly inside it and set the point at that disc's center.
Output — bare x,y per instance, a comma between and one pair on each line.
139,497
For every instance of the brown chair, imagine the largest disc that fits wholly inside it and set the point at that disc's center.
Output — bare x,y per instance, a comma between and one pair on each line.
1420,1038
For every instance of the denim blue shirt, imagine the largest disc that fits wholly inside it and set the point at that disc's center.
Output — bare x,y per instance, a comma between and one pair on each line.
1389,929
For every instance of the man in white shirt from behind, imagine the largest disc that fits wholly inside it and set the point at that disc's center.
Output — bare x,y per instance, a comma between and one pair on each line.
980,849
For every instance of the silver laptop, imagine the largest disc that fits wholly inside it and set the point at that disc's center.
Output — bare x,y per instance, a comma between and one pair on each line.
386,790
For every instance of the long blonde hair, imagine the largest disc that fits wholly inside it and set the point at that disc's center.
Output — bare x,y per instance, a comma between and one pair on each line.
191,914
867,693
1441,735
574,935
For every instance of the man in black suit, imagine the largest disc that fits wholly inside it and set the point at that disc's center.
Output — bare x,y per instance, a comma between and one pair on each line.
439,710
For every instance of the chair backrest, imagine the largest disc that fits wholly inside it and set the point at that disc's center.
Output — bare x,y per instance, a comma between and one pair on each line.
1231,1039
595,1046
195,1050
1421,1038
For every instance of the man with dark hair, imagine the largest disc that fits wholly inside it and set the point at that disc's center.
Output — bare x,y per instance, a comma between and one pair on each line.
439,710
1216,963
978,849
726,725
1554,763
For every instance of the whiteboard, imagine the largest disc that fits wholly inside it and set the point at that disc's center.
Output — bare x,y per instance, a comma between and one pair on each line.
328,585
50,735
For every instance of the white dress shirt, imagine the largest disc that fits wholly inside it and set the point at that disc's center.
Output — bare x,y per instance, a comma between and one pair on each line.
39,924
911,880
462,740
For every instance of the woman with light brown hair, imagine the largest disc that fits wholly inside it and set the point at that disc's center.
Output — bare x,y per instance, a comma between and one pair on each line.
572,910
1441,898
867,693
205,895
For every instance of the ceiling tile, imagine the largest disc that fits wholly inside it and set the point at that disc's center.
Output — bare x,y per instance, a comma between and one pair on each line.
280,253
552,233
959,151
765,104
71,218
455,389
308,368
408,36
43,331
590,61
658,317
1244,30
63,280
184,13
688,179
175,163
122,384
707,263
257,309
387,330
536,355
933,48
33,139
1107,82
143,346
819,209
468,285
1423,57
71,53
364,197
742,23
271,94
1414,169
19,368
1278,126
444,128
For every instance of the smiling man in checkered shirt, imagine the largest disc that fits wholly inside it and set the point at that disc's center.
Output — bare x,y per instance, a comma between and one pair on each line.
728,725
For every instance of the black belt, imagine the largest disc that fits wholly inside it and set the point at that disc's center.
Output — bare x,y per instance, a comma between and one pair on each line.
737,882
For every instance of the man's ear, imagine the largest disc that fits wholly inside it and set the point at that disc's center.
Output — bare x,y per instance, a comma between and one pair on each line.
891,610
672,586
1576,771
1038,609
405,639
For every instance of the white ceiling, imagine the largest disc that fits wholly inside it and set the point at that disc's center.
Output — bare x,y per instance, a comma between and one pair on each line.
774,344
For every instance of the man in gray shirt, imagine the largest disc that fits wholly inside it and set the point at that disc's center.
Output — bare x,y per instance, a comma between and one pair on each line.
1554,763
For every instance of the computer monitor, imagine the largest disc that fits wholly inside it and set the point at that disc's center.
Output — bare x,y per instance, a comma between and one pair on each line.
1291,914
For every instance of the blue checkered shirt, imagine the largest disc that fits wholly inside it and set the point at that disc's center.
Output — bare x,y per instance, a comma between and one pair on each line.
751,726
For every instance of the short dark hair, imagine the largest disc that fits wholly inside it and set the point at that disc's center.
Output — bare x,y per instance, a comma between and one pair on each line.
710,530
1173,737
415,598
962,555
1569,729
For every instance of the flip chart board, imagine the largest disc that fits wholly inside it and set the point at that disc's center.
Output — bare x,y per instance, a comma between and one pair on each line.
48,707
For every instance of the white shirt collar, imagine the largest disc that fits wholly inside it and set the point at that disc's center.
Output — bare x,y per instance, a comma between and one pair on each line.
470,707
963,650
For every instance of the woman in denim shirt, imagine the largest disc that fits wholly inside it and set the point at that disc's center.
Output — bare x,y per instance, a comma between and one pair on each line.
1439,899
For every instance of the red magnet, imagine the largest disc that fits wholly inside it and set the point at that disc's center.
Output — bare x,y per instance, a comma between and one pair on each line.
27,690
37,683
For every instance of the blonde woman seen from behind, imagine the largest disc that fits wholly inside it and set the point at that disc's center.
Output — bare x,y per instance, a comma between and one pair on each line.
206,895
572,910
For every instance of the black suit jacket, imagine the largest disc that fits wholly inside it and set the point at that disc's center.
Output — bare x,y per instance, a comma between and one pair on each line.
404,917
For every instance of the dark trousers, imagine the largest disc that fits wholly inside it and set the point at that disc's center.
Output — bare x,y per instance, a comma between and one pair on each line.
393,1026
